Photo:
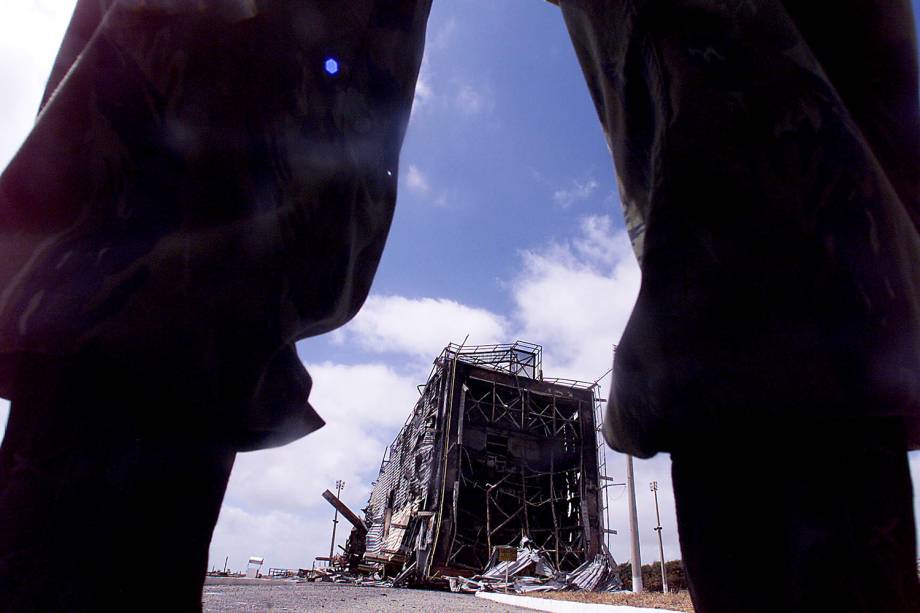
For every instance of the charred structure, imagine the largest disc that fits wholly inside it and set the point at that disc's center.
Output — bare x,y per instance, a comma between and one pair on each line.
491,452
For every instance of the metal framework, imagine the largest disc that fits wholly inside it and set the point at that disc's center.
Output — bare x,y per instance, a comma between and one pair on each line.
490,453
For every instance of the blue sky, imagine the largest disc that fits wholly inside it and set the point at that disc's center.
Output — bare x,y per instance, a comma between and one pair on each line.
503,123
507,226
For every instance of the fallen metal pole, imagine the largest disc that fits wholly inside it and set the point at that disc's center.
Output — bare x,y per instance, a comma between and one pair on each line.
347,513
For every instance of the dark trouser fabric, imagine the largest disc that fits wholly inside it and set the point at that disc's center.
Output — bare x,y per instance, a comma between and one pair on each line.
208,182
769,170
813,520
102,508
768,158
211,182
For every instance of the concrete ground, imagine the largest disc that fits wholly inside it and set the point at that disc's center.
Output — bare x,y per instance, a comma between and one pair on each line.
241,595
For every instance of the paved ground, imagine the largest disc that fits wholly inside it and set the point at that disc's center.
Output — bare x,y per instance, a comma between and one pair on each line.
226,595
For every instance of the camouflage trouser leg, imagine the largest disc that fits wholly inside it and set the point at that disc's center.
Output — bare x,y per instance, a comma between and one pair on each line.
789,524
768,162
208,182
768,159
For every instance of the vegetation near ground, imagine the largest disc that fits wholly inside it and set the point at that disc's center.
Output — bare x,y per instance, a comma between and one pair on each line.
679,601
678,598
651,576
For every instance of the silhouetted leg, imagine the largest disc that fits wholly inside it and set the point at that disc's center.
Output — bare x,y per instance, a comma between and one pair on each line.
807,520
97,510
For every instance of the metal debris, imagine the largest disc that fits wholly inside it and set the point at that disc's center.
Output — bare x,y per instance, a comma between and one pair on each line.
355,545
533,572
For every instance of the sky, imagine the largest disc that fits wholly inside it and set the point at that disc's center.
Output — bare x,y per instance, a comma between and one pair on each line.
507,226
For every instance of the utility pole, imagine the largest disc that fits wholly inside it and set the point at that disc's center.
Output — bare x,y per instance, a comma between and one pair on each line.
635,557
338,491
664,577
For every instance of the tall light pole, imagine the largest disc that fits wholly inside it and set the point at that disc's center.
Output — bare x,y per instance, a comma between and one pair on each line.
338,490
664,577
635,556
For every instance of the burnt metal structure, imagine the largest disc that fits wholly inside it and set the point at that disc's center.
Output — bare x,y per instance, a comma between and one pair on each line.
491,452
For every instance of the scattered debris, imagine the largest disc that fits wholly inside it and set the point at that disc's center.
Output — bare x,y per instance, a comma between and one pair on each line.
224,573
533,572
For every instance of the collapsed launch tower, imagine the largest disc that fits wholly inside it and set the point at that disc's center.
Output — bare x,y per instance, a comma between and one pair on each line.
491,451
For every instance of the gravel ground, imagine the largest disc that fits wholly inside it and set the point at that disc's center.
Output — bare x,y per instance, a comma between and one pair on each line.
241,595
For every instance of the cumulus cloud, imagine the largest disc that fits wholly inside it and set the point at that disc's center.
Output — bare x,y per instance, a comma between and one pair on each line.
575,298
577,191
284,540
420,327
273,506
416,180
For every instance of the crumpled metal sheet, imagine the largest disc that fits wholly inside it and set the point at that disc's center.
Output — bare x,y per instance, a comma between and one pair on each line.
597,575
529,558
533,572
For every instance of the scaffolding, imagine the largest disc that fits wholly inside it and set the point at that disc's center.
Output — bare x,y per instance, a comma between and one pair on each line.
491,452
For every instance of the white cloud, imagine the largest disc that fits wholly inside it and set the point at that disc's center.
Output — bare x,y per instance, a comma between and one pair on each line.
579,190
273,506
437,42
30,35
360,403
284,540
575,298
424,92
473,101
421,327
416,180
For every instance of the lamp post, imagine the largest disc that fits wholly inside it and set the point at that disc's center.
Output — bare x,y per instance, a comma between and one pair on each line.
664,577
338,491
